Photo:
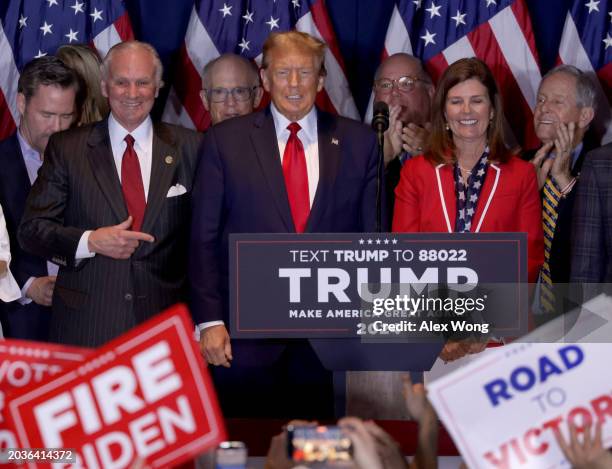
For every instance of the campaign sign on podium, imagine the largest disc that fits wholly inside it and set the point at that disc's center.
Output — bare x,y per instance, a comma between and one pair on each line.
378,287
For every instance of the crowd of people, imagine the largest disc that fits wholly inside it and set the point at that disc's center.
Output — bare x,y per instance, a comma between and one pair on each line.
112,217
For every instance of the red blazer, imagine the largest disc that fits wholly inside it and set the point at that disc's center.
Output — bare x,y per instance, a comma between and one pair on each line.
425,201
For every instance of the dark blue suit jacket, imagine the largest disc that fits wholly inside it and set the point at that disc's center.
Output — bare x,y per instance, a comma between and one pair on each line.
29,321
240,188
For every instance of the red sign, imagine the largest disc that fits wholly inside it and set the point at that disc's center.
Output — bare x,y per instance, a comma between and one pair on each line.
23,363
145,395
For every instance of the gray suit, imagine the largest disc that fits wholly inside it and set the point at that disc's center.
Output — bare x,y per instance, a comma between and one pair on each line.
78,189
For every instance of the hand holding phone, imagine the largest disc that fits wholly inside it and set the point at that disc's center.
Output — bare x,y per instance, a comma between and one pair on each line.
318,444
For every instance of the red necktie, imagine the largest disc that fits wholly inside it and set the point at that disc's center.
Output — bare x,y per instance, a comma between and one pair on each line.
296,178
131,184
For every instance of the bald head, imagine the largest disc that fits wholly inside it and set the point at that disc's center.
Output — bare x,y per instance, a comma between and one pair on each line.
415,103
222,75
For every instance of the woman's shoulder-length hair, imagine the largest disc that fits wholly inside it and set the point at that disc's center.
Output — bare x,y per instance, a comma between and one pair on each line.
441,145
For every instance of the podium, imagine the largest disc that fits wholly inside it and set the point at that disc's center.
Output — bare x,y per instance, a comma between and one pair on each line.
333,289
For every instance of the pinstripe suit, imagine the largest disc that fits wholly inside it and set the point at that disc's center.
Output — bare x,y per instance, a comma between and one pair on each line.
592,220
78,189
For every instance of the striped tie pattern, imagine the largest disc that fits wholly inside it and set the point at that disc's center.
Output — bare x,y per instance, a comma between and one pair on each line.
550,203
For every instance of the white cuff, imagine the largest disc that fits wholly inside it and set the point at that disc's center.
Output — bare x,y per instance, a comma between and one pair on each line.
204,325
83,251
207,324
24,300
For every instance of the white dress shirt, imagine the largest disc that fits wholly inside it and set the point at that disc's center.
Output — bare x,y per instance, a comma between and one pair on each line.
143,145
309,137
310,140
9,290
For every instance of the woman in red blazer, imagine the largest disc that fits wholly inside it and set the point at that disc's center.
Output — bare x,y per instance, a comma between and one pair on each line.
468,181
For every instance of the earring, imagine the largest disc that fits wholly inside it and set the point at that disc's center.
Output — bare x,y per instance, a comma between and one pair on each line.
446,126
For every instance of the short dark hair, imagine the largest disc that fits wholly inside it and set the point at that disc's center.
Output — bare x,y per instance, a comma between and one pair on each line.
48,70
441,146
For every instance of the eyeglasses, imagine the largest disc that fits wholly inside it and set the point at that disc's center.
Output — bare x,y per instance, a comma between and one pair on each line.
403,84
240,93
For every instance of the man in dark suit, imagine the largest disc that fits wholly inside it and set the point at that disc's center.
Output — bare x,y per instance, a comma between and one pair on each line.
564,111
403,84
289,168
111,206
46,104
591,255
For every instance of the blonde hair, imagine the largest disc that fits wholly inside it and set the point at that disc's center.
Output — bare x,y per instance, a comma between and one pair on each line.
86,64
298,40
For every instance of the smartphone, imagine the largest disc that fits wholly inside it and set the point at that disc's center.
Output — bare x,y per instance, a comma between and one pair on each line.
231,455
318,444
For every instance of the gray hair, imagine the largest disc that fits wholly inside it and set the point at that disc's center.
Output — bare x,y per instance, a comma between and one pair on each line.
133,45
585,88
250,67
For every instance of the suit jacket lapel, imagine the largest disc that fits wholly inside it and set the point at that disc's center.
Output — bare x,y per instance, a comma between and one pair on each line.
100,157
445,185
329,162
486,195
265,143
162,172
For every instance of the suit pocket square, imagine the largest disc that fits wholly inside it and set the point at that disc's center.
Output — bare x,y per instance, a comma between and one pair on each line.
177,189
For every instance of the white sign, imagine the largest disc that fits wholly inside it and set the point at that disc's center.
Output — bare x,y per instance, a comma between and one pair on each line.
504,409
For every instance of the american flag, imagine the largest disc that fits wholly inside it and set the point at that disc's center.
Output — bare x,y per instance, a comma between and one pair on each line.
34,28
587,43
499,32
241,26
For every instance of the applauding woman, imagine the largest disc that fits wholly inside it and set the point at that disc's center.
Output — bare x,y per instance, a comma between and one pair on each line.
468,181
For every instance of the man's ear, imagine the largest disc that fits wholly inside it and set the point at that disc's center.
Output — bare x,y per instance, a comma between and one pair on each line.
264,79
257,97
103,88
204,98
21,103
587,114
159,87
431,90
321,83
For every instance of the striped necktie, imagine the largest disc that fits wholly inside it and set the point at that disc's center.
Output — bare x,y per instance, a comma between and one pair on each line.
550,202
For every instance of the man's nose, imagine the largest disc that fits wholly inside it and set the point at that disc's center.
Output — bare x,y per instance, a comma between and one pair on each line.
56,124
132,90
230,99
294,78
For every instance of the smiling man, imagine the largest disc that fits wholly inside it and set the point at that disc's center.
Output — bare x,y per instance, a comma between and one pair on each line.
111,207
290,168
564,111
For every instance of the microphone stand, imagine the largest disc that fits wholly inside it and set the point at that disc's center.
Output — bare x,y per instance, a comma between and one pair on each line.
379,179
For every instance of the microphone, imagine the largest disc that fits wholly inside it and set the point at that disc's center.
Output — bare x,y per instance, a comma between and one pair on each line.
380,119
380,123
